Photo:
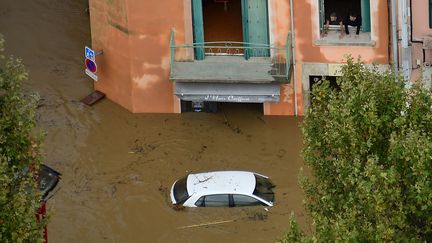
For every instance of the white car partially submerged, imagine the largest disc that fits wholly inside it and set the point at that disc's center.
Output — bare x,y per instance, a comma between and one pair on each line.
223,189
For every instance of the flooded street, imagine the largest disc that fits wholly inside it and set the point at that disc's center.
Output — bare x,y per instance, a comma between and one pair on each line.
118,167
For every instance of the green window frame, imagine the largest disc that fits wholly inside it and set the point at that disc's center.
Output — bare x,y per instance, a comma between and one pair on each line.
365,14
198,28
430,14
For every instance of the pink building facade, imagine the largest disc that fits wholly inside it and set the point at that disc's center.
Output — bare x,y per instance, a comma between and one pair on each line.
175,56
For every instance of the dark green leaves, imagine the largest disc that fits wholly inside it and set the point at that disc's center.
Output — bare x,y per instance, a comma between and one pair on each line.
370,149
19,157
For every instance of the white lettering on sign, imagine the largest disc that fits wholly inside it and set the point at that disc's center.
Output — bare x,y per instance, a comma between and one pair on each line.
91,75
214,98
237,99
230,98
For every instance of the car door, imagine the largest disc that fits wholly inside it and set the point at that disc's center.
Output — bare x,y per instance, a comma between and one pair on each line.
244,201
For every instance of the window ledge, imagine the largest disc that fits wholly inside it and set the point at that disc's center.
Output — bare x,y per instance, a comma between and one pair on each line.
332,39
322,42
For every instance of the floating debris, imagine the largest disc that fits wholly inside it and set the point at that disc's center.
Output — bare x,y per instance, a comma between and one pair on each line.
92,98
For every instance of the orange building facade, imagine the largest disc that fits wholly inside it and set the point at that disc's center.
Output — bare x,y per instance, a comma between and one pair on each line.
165,56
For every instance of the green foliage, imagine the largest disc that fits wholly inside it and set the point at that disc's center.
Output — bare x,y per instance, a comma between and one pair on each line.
294,233
369,146
19,157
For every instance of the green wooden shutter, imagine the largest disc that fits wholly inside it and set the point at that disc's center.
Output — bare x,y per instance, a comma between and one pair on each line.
245,21
430,13
365,14
198,26
321,15
258,26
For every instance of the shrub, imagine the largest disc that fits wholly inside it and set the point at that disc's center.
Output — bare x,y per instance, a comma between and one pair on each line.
19,157
369,146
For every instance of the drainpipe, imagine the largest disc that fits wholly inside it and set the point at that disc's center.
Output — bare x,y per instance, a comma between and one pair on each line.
395,38
293,55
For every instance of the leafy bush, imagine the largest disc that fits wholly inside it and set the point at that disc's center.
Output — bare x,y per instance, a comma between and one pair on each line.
19,157
369,146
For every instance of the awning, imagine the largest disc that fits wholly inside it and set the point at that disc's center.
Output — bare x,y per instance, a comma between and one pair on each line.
228,92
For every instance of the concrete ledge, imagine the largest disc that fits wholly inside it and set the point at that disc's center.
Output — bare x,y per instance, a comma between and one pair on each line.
345,43
226,70
332,39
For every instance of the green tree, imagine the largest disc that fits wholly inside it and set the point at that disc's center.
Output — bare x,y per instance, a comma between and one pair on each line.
369,146
19,156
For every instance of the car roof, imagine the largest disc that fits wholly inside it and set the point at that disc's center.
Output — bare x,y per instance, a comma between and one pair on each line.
221,182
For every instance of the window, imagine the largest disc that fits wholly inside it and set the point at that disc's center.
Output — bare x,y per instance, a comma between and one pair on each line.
180,191
263,188
200,202
316,79
334,34
242,200
220,200
344,8
248,22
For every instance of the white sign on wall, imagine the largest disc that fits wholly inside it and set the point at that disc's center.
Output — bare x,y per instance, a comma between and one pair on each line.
91,75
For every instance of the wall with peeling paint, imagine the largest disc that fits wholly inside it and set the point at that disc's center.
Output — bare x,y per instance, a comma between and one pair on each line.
134,35
307,32
420,32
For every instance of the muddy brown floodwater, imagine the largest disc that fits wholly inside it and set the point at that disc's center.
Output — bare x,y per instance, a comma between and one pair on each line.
118,167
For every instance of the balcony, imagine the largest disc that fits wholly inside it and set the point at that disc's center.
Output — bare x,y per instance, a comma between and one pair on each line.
230,62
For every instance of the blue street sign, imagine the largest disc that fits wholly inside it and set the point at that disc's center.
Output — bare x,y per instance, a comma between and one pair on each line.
89,54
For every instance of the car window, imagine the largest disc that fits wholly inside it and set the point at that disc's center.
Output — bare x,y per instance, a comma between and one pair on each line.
47,180
220,200
200,202
243,200
180,191
263,188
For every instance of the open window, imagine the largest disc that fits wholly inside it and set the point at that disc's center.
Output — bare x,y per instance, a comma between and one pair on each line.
219,26
342,9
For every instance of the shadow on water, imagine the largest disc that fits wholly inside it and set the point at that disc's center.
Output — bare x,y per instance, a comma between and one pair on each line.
118,167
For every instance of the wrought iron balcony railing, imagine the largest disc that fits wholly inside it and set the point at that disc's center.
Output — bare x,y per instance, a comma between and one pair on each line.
277,59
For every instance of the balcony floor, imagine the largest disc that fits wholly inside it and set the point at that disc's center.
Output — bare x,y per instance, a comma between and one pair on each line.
225,69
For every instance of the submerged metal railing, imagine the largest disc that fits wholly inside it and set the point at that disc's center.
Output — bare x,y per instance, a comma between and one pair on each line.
278,57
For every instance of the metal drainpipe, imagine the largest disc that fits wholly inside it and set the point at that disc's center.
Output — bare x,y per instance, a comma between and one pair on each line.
293,54
395,38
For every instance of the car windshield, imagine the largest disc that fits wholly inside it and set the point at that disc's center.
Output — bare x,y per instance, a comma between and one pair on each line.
180,191
48,179
263,188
